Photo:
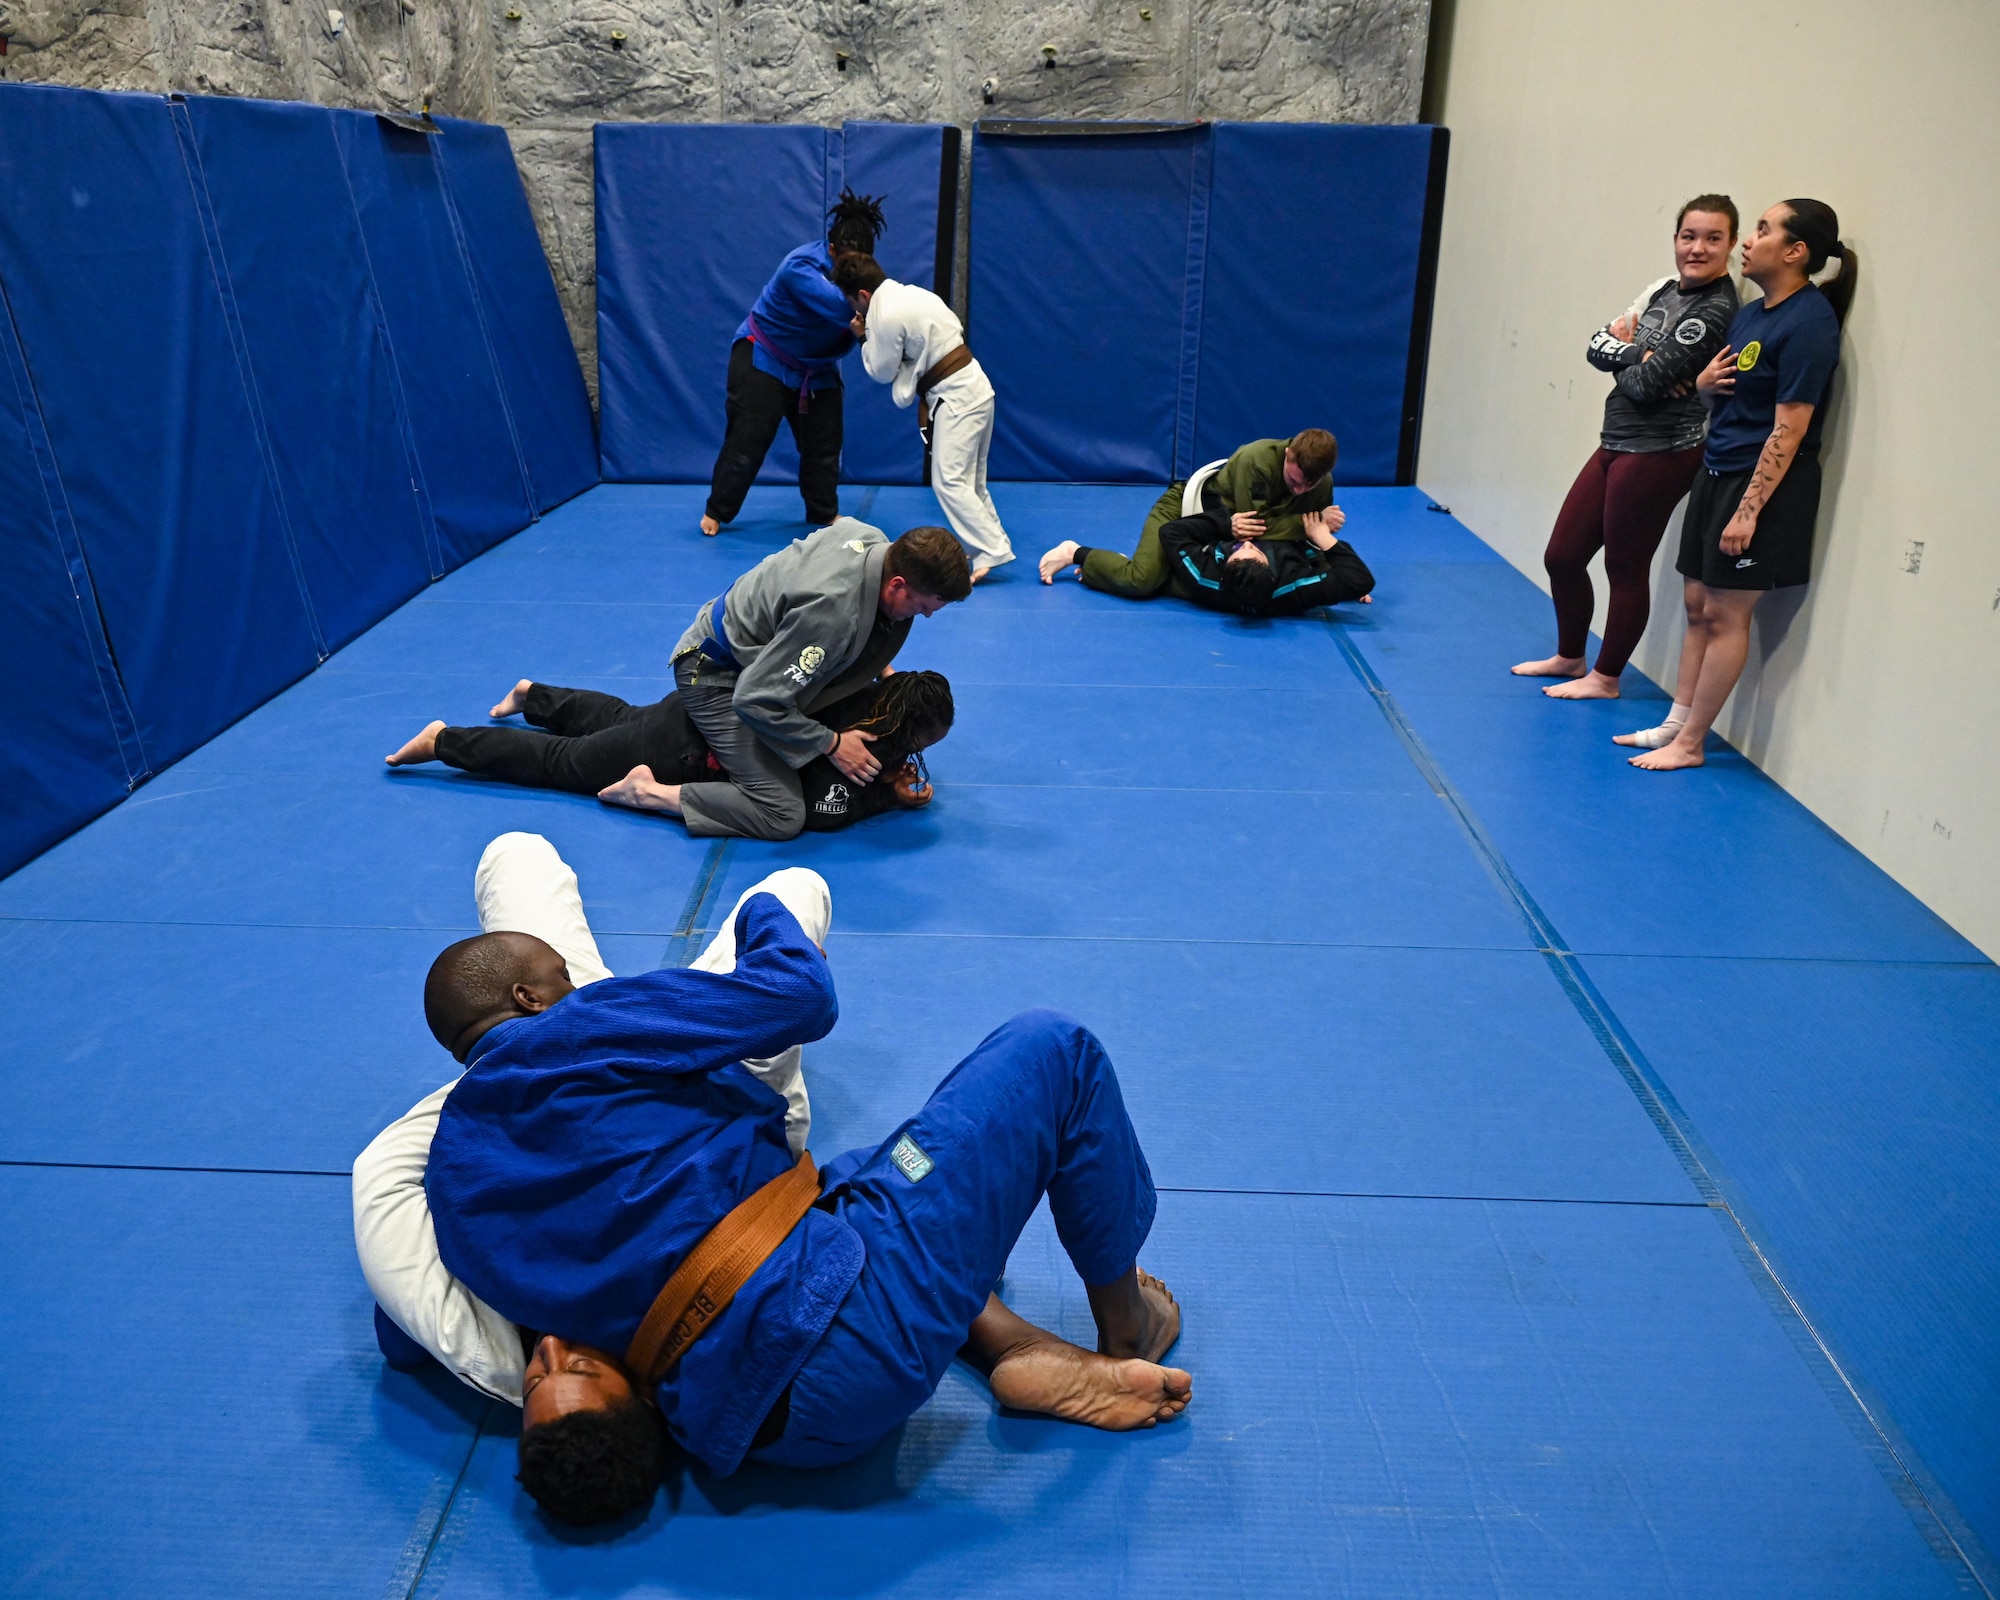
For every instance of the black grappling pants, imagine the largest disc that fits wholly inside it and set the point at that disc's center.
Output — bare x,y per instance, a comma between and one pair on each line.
598,738
757,403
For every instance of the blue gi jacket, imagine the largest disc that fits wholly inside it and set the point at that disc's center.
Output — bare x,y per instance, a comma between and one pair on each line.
588,1149
802,313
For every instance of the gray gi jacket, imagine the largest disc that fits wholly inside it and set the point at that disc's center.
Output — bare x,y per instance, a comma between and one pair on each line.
805,628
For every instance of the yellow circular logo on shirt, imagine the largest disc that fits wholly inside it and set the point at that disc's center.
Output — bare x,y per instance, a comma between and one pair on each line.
1748,359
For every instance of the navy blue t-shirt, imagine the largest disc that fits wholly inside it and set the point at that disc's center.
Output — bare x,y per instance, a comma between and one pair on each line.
1783,357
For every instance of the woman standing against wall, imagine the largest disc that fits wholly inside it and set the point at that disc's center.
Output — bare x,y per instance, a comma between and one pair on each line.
1749,524
1648,452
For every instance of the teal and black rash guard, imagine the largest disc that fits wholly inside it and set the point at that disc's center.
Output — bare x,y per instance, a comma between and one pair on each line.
1682,329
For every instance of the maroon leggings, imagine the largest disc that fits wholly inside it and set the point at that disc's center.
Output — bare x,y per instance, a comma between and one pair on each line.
1619,503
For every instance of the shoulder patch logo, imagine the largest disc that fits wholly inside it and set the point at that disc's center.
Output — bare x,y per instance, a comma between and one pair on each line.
1751,352
858,546
1690,331
910,1160
810,658
835,802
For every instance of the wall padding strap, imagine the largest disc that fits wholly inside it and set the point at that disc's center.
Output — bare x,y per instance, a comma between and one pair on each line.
1147,300
691,221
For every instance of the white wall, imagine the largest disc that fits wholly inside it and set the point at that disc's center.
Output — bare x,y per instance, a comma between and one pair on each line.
1578,127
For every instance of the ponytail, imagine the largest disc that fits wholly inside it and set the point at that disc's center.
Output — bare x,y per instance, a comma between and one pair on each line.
1814,224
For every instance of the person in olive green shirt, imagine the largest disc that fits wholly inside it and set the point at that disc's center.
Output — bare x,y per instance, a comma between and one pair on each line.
1267,488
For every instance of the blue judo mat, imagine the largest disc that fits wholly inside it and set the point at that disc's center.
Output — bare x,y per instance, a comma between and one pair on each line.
1578,1183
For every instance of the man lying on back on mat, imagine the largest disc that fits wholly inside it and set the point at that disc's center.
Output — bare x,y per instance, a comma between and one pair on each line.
1256,534
595,742
805,628
621,1167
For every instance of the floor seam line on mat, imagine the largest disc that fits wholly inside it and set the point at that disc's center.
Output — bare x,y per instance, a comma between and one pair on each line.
168,1166
1653,1094
422,1545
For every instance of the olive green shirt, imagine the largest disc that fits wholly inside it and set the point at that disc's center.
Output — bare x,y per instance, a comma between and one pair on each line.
1254,480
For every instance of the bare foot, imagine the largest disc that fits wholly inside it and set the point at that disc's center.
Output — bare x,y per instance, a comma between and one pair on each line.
1669,757
1593,686
516,700
638,790
710,526
981,574
1136,1316
1554,667
1056,1379
1055,560
420,749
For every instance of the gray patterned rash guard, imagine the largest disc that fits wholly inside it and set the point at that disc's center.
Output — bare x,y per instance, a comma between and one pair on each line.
1683,328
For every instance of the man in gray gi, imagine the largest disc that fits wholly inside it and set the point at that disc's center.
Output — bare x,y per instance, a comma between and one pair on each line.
801,629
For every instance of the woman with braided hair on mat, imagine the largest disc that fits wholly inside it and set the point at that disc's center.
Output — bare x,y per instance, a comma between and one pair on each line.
598,744
785,365
1749,524
1647,454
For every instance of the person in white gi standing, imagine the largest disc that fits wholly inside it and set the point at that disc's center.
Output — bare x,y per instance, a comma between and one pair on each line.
911,341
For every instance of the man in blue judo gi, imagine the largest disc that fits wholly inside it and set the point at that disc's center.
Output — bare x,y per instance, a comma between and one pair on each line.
785,364
607,1173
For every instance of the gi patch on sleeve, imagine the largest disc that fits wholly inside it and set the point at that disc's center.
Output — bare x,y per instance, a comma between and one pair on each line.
910,1160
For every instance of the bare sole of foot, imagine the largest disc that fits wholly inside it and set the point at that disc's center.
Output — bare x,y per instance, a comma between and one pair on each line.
642,792
420,749
1055,1379
981,574
1591,686
710,526
516,699
1161,1328
1554,667
1668,758
1053,561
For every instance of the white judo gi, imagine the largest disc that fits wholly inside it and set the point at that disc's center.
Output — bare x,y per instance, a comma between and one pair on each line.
522,886
909,330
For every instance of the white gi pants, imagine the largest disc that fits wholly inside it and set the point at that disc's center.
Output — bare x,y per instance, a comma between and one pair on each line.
961,436
522,886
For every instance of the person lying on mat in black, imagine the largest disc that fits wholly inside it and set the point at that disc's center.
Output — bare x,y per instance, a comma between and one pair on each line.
1200,559
598,744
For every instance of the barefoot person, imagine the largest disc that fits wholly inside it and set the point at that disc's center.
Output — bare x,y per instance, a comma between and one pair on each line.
1749,524
785,366
1265,490
911,341
598,744
805,628
603,1173
1647,454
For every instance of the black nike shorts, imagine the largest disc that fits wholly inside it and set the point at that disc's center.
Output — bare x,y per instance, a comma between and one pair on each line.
1779,555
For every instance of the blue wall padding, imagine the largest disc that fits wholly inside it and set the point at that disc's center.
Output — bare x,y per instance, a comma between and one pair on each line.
62,760
116,299
1078,298
900,161
1148,302
324,378
539,372
1313,237
691,221
465,434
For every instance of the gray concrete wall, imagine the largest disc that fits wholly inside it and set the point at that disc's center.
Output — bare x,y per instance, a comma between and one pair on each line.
548,69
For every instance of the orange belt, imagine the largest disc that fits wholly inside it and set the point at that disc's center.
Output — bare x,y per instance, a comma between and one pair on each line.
708,1279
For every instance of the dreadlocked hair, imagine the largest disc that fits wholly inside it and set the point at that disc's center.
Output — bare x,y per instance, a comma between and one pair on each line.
856,222
907,711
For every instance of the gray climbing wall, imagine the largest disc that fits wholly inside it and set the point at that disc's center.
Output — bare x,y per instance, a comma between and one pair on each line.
548,69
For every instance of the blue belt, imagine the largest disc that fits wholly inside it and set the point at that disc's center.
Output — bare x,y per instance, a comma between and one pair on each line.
716,645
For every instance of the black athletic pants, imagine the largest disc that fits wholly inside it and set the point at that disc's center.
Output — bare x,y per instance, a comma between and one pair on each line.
593,741
757,402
